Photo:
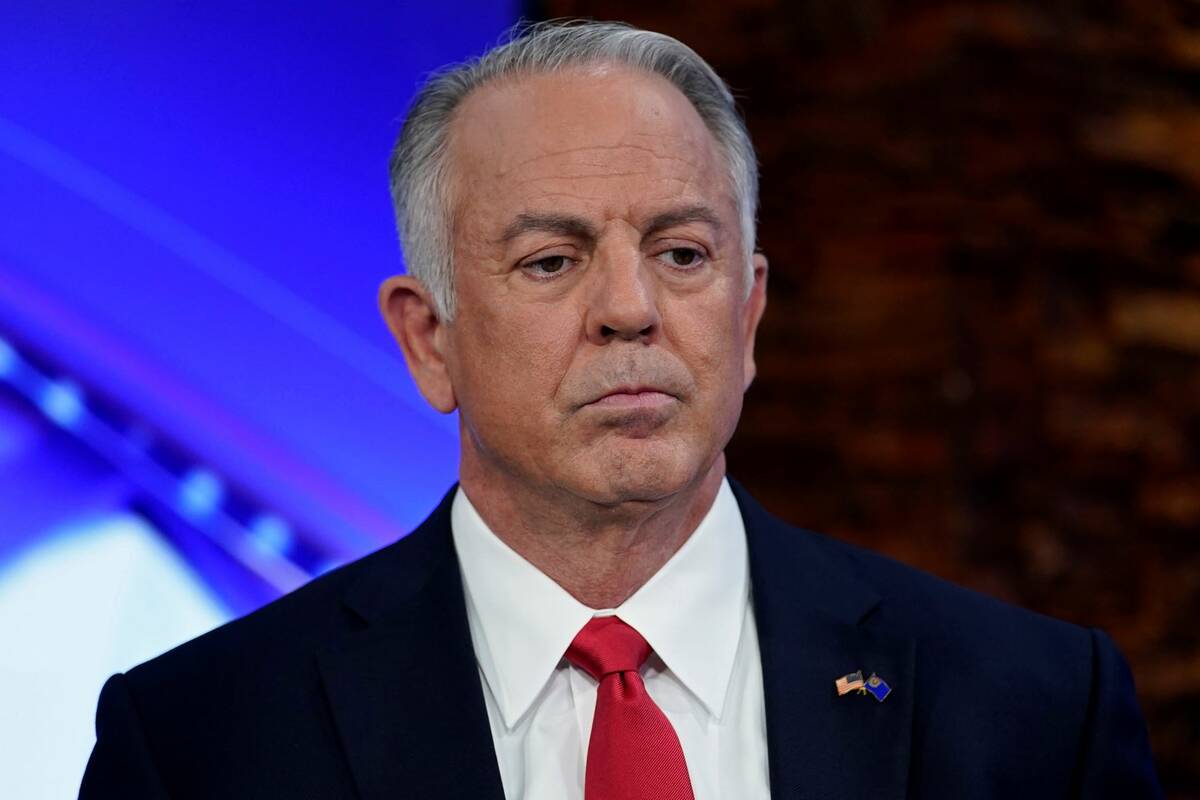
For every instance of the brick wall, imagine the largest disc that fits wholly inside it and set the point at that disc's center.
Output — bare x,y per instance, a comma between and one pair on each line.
982,347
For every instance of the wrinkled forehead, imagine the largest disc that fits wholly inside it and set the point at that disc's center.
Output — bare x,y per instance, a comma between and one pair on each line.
588,126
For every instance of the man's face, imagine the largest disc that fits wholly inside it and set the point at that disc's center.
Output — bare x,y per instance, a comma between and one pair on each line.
603,334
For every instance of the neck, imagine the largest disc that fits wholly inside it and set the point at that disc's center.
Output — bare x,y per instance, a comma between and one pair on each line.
600,553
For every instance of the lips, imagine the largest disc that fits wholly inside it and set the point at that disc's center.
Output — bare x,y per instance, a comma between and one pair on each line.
654,379
633,397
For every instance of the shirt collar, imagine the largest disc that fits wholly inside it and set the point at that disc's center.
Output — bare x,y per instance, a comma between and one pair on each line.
691,611
522,622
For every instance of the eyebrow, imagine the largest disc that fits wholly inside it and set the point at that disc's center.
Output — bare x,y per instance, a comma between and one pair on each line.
682,216
580,228
562,224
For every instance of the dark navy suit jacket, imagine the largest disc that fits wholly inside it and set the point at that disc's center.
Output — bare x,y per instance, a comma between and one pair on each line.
364,684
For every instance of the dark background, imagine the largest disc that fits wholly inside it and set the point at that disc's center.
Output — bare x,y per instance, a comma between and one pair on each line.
981,353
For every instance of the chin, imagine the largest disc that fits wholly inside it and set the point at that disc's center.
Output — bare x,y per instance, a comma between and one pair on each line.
641,471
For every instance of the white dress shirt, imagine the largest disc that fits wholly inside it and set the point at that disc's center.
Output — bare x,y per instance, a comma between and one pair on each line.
705,672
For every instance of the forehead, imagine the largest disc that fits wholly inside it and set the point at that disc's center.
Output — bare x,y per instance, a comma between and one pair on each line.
594,135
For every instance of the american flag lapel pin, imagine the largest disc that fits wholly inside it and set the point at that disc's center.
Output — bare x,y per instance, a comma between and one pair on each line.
850,683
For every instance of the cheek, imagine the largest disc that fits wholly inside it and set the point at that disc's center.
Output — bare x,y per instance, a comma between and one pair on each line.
511,363
708,338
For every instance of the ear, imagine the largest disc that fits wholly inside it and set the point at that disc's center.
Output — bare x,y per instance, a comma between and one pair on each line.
752,311
412,317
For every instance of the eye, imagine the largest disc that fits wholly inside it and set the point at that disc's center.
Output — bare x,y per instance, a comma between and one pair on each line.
683,257
548,266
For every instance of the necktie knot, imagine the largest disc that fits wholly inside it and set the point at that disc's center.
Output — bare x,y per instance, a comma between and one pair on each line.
607,645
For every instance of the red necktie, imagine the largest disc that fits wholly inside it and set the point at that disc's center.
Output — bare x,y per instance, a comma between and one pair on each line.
634,753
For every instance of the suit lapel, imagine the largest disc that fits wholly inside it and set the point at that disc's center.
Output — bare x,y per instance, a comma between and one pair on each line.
405,691
814,620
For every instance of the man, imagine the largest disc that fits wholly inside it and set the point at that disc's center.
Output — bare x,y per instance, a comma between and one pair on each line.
596,611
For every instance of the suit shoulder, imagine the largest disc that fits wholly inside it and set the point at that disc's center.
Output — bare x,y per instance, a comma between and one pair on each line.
961,624
1020,670
269,636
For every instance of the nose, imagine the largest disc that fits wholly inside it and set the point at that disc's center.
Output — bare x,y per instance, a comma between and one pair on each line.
622,303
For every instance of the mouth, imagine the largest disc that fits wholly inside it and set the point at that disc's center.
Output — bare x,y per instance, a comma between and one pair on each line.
634,397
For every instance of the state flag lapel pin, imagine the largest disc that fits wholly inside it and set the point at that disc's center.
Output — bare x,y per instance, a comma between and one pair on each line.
849,683
878,687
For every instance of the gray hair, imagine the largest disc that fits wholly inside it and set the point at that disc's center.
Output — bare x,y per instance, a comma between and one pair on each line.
419,167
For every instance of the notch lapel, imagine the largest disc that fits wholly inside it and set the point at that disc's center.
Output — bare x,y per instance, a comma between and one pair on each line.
814,625
405,692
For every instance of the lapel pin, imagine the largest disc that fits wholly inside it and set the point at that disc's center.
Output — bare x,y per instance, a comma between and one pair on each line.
878,687
849,683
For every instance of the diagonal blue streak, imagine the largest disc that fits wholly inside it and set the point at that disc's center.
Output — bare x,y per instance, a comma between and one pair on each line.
210,258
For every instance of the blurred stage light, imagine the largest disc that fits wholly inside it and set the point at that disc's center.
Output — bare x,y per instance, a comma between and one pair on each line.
62,402
8,359
271,534
200,493
258,537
